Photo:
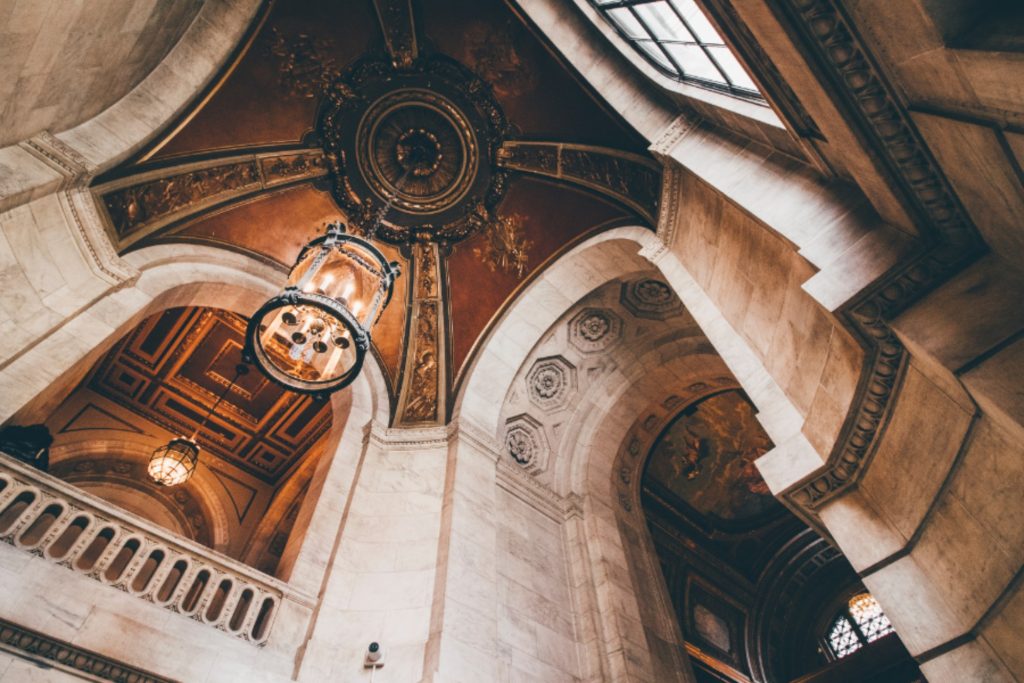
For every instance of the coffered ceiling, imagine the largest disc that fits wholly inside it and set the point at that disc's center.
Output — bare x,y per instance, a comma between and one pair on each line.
173,366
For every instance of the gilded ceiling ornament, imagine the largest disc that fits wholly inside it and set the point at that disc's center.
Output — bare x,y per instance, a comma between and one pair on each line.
304,68
427,136
505,247
422,403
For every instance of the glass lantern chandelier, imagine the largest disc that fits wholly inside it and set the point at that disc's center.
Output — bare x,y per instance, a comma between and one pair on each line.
174,463
312,338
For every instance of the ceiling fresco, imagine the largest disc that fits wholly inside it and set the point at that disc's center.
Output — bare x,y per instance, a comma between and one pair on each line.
453,121
705,458
172,367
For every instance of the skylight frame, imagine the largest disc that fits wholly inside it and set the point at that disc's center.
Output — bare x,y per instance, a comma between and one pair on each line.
664,56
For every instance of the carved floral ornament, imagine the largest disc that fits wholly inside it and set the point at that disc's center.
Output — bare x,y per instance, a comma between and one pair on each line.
525,443
594,329
551,382
650,298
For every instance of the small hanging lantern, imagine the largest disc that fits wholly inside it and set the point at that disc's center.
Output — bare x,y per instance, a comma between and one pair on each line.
312,338
174,463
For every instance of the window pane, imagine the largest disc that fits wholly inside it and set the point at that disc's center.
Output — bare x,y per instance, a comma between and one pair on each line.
694,62
663,22
627,22
698,22
652,50
842,638
732,68
869,617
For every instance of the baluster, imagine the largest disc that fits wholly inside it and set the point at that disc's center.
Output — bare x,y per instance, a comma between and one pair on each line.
156,582
56,529
108,554
32,513
209,590
230,600
141,553
84,540
255,605
27,515
9,491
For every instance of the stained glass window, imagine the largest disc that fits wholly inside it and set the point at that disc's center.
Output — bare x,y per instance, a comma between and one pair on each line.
860,623
677,38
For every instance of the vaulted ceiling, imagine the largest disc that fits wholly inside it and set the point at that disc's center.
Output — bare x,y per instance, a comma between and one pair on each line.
314,121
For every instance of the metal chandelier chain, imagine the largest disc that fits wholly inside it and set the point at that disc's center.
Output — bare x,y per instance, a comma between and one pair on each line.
240,369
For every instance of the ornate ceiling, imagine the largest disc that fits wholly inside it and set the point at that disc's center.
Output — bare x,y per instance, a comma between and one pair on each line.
495,156
173,366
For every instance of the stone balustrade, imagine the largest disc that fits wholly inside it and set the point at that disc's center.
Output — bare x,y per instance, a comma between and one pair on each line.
46,517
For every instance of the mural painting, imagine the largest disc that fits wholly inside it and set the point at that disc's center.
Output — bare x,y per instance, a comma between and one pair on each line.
706,458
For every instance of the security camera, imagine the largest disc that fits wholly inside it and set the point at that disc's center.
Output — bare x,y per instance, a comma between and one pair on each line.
374,656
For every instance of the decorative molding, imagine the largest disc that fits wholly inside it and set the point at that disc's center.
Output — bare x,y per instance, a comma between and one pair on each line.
398,24
551,383
145,203
671,200
628,178
409,438
92,238
651,299
59,156
505,247
422,393
837,49
526,444
594,329
670,137
48,651
423,139
533,493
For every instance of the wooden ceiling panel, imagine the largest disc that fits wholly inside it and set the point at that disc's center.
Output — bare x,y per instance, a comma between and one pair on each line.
173,366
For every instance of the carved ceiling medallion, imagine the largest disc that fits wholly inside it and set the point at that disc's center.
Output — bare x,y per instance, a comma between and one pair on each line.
426,136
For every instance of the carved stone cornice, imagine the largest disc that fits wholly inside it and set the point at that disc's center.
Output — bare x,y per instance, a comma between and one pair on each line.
629,179
92,238
668,219
59,156
51,652
528,489
952,241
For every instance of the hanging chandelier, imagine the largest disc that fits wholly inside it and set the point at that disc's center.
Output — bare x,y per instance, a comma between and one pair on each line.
174,463
312,338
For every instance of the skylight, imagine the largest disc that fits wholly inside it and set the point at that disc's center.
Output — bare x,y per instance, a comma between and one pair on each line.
676,37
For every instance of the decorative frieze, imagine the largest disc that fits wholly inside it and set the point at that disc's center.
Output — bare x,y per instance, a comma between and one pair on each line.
628,178
834,43
48,651
152,200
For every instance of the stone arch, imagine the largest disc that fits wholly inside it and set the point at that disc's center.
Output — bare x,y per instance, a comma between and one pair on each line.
190,275
612,552
46,162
